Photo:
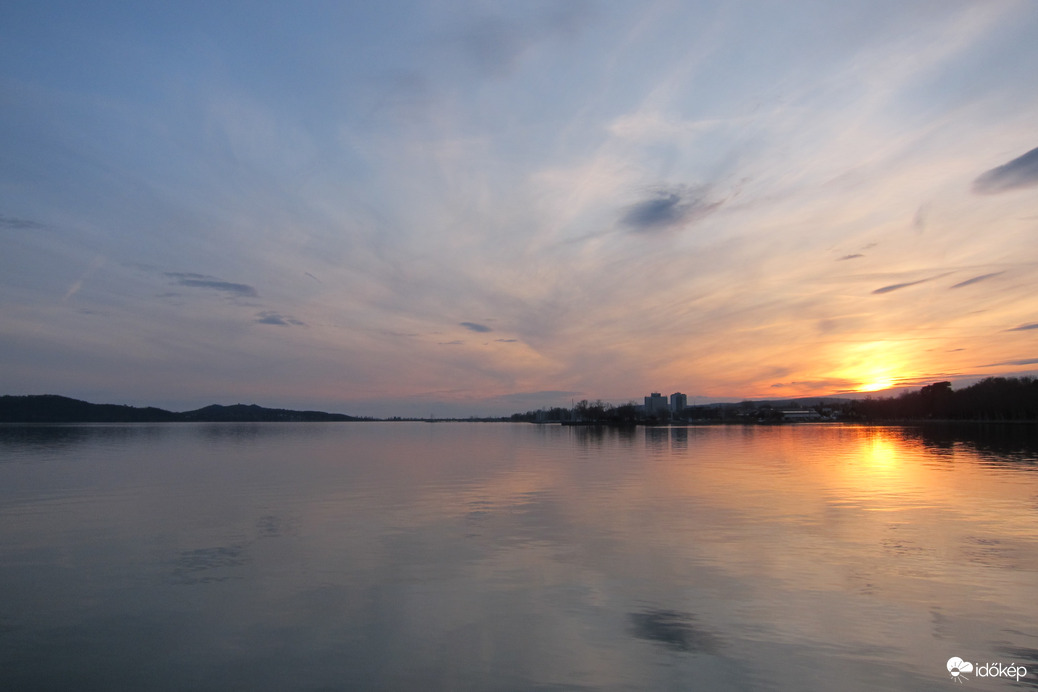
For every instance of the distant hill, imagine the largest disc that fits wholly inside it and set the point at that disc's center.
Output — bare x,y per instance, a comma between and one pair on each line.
50,408
251,413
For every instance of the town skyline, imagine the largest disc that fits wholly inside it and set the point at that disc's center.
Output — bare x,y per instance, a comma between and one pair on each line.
455,209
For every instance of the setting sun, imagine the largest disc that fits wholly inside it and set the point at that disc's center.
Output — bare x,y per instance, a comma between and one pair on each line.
876,386
876,366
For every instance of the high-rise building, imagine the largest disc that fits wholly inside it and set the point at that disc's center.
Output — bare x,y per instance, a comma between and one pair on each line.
655,403
678,402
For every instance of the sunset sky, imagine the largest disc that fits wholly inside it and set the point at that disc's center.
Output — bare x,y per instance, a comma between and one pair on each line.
455,208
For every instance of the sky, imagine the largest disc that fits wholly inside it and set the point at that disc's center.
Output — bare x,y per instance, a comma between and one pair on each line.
456,207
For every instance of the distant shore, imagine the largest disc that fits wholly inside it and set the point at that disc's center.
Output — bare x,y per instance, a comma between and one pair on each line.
994,400
51,408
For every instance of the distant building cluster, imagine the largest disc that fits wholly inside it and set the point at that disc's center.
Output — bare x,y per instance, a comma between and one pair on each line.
658,409
656,404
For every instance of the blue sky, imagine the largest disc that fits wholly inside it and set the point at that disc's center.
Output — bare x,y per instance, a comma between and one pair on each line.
463,207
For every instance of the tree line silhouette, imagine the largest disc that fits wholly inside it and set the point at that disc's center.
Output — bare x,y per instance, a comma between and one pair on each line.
991,399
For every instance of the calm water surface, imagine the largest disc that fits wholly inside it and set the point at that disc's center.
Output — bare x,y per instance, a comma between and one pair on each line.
397,556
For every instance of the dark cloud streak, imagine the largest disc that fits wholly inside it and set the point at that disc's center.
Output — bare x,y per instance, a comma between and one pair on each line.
193,280
1019,173
20,224
1026,361
668,208
976,279
472,326
898,287
276,318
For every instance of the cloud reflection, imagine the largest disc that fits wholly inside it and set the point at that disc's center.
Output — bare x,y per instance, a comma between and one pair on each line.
674,630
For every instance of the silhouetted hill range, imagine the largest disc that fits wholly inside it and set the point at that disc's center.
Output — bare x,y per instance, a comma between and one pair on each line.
50,408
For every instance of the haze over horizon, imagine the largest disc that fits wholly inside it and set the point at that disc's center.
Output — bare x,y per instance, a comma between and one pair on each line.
456,208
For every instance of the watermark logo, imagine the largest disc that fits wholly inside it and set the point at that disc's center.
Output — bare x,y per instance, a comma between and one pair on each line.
958,668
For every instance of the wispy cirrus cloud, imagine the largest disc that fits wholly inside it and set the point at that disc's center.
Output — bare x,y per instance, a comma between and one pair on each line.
1024,327
495,44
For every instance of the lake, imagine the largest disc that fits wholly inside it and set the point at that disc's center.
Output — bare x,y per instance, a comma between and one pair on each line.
485,556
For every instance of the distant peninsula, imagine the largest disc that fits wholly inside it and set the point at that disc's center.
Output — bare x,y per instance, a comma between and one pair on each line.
51,408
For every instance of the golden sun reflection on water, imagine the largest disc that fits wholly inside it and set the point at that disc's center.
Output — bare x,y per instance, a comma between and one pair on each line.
848,517
875,467
881,452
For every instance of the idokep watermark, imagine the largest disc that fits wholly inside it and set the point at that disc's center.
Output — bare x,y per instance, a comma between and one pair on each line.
958,668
